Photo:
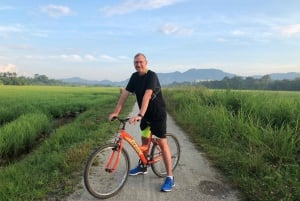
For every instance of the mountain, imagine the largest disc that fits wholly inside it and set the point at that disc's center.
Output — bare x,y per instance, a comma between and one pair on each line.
191,75
282,76
80,81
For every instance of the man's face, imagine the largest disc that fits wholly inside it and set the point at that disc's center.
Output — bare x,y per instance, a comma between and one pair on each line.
140,64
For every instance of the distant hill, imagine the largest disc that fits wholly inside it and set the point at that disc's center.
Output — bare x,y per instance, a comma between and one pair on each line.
191,75
80,81
287,76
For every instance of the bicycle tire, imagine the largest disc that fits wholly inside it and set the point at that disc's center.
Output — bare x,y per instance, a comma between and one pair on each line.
101,183
159,167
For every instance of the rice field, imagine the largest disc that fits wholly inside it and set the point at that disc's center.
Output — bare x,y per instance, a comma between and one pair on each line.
46,134
252,136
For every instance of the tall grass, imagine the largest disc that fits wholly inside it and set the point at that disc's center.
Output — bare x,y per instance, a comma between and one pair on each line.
55,100
54,168
252,136
21,134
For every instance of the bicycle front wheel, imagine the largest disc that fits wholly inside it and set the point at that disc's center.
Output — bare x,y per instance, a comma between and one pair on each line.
159,167
102,178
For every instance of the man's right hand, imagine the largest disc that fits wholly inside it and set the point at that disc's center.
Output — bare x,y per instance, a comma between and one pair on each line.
112,116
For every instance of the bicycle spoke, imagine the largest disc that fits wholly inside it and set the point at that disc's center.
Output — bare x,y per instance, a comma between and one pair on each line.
100,181
159,167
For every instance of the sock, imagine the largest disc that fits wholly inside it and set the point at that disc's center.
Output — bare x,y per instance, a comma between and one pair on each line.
171,177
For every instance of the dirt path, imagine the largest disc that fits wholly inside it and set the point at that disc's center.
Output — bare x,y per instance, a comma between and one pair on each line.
195,179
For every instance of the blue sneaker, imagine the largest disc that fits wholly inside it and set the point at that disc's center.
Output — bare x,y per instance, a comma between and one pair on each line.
168,185
138,170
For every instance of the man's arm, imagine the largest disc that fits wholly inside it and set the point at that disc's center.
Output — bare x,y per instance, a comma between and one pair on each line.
120,104
145,102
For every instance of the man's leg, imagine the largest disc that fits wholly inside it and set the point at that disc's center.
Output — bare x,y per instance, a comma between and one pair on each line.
169,181
145,136
166,155
145,140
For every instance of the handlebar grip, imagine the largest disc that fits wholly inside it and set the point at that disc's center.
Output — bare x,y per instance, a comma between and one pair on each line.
114,118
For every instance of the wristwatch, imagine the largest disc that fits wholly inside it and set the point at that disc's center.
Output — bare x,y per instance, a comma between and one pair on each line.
140,115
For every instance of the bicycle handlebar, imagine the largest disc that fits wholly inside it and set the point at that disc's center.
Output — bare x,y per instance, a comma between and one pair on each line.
123,121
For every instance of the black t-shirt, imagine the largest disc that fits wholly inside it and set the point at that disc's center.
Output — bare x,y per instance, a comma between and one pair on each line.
138,84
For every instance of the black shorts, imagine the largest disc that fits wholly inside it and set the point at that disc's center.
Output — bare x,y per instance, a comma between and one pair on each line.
158,127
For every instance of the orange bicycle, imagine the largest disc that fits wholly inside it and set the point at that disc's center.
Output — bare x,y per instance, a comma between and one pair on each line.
107,168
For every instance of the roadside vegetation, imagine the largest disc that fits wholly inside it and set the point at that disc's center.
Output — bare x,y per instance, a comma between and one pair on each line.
46,134
252,136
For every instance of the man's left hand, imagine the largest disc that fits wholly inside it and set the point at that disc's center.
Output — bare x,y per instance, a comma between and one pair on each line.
134,119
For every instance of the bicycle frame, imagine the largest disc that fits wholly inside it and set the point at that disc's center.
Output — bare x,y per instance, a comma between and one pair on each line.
132,142
108,167
137,148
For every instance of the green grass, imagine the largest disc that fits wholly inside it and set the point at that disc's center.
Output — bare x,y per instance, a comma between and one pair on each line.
253,136
56,101
13,142
52,168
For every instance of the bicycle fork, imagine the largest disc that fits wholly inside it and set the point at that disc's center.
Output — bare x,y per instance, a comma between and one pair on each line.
114,158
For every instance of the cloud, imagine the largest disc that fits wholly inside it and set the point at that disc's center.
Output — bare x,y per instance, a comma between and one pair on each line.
133,5
8,68
56,10
238,33
290,30
171,28
6,8
124,57
21,47
40,33
105,57
5,31
222,40
72,57
87,58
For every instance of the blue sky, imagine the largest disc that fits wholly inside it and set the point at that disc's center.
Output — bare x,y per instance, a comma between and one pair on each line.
97,39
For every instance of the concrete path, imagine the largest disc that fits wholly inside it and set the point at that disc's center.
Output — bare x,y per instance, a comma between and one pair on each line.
195,179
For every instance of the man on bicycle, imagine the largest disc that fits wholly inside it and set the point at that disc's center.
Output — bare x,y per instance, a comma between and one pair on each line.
145,84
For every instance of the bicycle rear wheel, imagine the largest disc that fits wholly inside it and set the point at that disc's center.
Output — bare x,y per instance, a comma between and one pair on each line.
101,182
159,167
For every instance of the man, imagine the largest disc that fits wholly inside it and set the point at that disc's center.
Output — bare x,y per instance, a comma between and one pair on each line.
153,117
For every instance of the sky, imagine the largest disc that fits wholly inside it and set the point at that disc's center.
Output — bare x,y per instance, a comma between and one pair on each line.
97,39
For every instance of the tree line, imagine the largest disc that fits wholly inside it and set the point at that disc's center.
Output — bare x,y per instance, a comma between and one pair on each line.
11,78
250,83
237,82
